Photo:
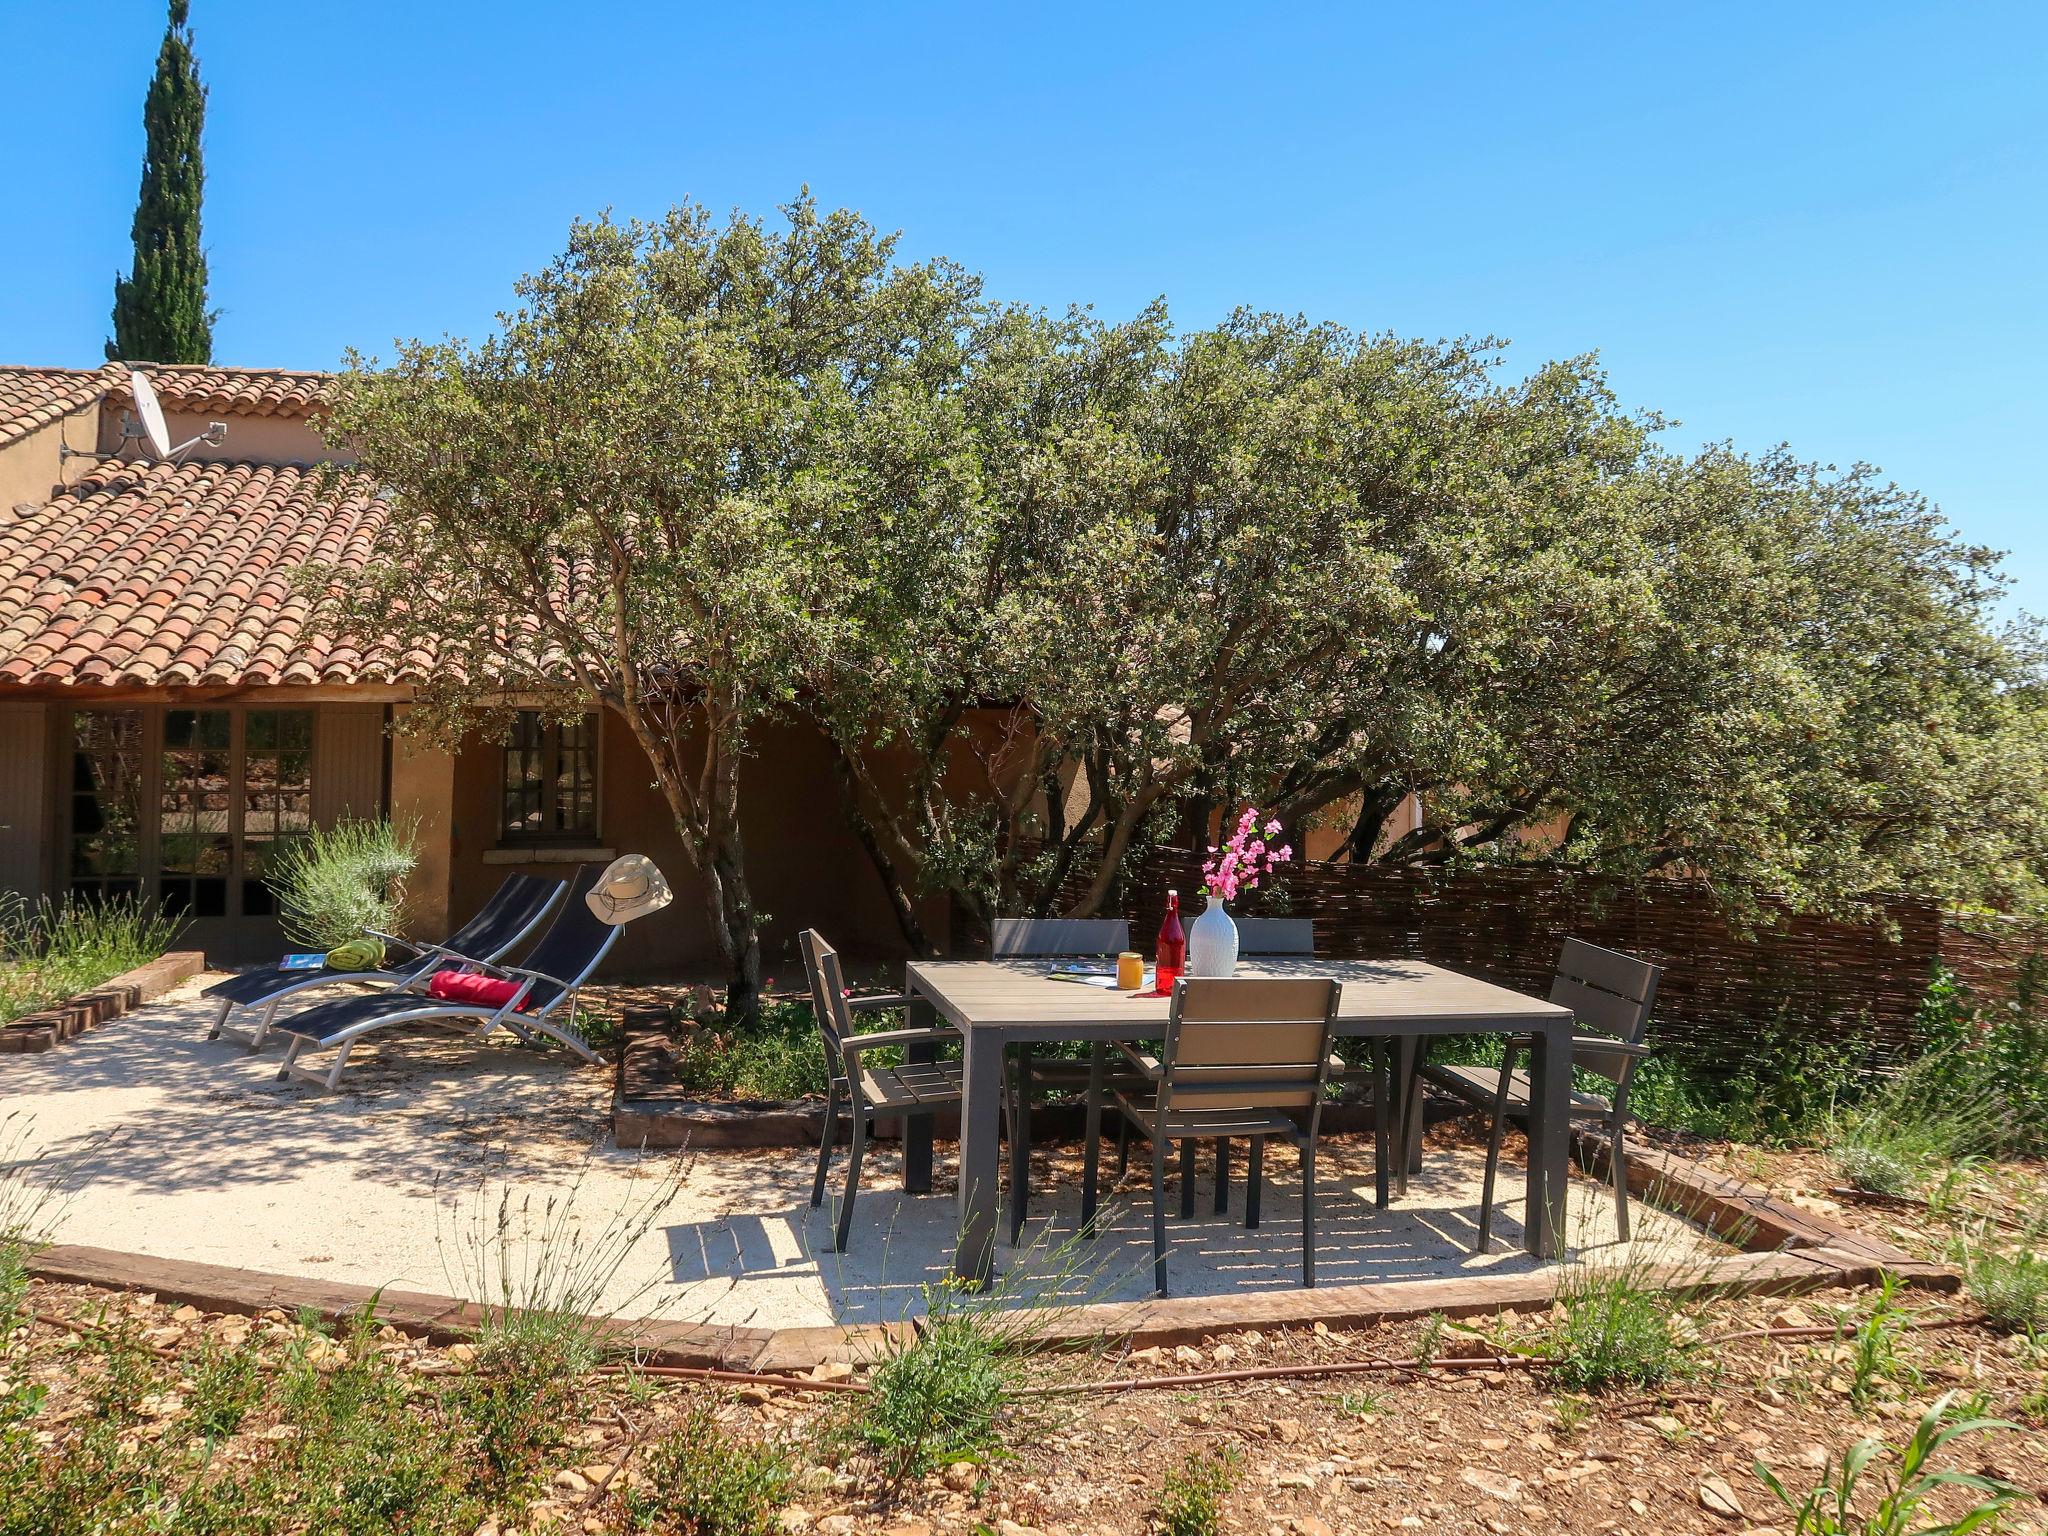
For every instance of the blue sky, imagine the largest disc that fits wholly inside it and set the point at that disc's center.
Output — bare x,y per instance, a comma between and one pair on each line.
1821,223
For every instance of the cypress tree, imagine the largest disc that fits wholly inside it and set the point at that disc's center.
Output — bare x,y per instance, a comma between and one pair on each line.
160,312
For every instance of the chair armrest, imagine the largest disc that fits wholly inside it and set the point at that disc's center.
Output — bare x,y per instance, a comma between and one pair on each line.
886,1000
1144,1061
520,970
852,1045
1596,1042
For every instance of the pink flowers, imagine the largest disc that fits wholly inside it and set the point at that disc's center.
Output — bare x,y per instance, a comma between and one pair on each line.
1248,855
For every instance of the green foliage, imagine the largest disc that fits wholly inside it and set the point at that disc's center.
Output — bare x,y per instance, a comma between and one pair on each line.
1933,1112
1363,1403
49,953
1271,560
776,1056
1618,1328
225,1385
1897,1510
1191,1497
703,1480
674,408
1874,1346
1990,1053
943,1396
160,312
1781,1088
336,883
2012,1288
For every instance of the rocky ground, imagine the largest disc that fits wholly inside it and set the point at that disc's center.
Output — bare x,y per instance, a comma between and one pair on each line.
1448,1447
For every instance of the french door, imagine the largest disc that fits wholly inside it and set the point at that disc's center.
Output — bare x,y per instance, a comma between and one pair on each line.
190,808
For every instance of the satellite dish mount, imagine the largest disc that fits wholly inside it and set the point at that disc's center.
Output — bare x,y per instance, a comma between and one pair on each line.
149,412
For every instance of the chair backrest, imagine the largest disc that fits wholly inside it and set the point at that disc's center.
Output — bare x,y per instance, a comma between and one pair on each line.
1611,994
1276,936
1020,937
573,945
1248,1042
509,916
828,996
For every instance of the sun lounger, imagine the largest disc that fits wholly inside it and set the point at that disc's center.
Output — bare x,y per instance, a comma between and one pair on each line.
503,923
545,988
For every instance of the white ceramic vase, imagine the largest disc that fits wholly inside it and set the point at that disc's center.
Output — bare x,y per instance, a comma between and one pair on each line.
1212,942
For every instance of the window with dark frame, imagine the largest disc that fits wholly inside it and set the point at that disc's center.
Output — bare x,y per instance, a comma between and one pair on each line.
549,781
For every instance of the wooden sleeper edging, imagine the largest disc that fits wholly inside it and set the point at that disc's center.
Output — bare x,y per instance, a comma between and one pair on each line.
49,1027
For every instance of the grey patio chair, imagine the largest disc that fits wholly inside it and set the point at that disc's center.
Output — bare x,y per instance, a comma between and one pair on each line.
1283,936
1611,994
1046,938
1242,1057
866,1094
1276,936
1256,937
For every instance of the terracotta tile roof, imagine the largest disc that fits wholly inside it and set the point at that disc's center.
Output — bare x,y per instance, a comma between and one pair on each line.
226,391
32,398
173,575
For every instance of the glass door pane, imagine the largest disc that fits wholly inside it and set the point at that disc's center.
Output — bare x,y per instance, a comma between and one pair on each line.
277,796
106,803
195,825
575,807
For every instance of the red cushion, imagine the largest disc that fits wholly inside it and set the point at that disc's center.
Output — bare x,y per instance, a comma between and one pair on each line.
469,987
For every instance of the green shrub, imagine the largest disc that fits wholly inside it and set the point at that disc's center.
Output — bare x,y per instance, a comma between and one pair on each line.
225,1385
1829,1508
49,953
702,1480
1618,1326
1928,1116
1873,1347
335,883
942,1397
542,1276
1994,1051
1191,1497
777,1056
2012,1288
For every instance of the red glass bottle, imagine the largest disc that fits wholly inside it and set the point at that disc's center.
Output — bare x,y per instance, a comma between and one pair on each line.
1171,955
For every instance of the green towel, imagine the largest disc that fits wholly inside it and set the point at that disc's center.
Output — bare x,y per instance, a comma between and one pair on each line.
356,955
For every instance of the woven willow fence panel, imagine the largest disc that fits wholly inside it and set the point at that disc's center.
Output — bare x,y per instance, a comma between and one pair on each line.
1725,990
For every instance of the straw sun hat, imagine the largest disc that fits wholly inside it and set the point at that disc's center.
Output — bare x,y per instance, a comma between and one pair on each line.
630,887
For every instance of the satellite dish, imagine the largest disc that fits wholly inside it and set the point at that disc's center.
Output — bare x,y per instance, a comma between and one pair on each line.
150,412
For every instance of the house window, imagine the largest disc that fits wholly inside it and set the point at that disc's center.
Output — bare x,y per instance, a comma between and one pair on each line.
187,807
549,782
107,764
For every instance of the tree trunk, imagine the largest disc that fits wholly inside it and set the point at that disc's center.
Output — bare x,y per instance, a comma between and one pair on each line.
885,867
731,907
707,820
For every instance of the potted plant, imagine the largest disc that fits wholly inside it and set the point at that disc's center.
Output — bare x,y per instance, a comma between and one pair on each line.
1235,867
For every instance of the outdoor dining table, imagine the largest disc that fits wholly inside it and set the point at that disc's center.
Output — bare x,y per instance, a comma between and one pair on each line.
999,1003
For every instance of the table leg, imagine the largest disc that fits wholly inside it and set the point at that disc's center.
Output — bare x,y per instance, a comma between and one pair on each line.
980,1113
1412,1050
1550,1088
917,1129
1091,1140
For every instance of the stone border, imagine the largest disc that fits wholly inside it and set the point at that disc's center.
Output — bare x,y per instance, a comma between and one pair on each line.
1790,1252
123,994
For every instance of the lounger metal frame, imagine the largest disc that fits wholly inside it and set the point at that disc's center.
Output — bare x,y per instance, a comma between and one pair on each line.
426,960
529,1026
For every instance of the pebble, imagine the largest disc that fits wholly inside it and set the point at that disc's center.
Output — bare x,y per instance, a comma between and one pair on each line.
1496,1485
